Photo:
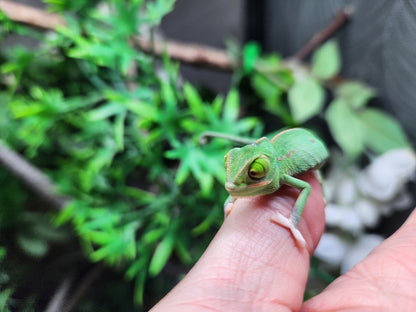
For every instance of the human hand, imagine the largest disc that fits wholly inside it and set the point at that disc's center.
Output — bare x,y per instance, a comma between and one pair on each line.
254,265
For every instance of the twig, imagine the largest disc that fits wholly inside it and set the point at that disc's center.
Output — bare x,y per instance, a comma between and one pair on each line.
84,285
193,54
25,14
31,176
339,20
58,299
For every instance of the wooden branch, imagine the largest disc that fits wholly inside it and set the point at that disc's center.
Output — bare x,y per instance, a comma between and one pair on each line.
193,54
35,179
83,287
59,297
25,14
338,21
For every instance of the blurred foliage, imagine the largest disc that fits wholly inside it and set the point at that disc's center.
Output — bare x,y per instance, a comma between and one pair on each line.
297,93
117,131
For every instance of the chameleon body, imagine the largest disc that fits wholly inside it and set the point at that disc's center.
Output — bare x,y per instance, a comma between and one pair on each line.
262,167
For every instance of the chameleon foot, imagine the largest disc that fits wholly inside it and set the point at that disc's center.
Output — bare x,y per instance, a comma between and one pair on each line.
289,224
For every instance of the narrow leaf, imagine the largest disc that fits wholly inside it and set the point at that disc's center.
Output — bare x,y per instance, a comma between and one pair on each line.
161,254
251,52
119,130
194,101
231,106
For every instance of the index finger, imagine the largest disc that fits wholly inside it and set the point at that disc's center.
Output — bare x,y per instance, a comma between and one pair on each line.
254,264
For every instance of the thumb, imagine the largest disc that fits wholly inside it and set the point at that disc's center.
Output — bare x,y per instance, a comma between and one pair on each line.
253,264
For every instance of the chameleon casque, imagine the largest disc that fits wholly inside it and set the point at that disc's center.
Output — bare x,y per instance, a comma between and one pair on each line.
262,167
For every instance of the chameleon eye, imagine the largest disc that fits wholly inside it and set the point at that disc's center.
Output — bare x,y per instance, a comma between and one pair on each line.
259,168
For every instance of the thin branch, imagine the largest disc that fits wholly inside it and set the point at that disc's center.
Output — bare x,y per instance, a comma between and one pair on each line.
31,176
83,286
193,54
58,299
338,21
25,14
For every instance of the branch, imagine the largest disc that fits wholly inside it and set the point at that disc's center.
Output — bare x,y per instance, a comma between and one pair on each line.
31,176
59,297
338,21
28,15
193,54
83,286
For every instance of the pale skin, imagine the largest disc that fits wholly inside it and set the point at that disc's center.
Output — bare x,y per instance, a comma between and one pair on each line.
253,265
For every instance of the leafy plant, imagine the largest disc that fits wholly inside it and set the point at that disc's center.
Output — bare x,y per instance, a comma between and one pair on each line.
302,95
118,132
125,147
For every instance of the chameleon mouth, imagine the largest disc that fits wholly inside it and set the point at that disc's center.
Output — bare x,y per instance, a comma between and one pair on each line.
246,188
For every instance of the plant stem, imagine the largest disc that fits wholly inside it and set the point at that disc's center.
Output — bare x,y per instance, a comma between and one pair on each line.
31,176
338,21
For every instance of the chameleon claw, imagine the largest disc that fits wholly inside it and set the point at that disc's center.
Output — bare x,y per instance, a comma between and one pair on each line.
227,209
289,224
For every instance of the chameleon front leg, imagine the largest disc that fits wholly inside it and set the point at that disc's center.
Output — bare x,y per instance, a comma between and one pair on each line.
292,222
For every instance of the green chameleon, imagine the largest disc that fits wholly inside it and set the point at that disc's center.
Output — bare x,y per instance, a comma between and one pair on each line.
263,166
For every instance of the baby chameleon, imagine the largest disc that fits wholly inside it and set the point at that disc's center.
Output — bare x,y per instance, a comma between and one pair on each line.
262,167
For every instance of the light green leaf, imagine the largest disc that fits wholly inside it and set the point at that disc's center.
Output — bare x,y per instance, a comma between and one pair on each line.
182,252
119,130
306,99
251,52
168,96
345,128
33,246
267,90
231,106
381,132
357,94
194,101
326,61
153,235
105,111
162,254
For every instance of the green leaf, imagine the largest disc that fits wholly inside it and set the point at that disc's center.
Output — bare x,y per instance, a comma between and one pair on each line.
345,128
5,298
162,254
267,90
357,94
3,252
182,252
382,132
231,106
251,52
33,246
326,61
139,287
119,130
105,111
306,99
168,96
194,101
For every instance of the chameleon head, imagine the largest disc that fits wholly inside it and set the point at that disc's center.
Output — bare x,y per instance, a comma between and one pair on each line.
250,171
